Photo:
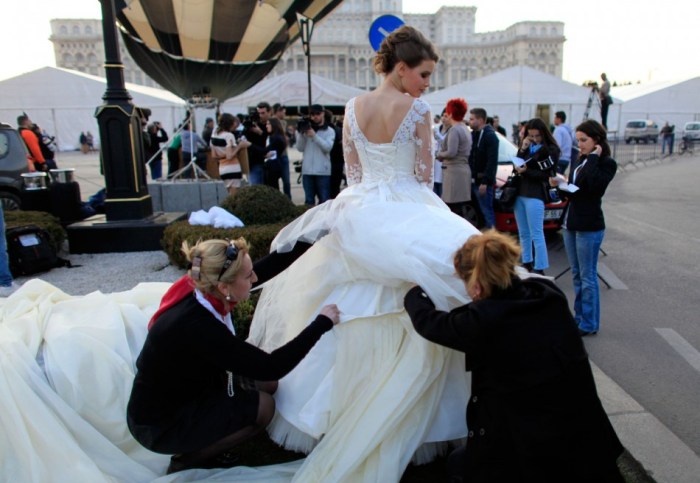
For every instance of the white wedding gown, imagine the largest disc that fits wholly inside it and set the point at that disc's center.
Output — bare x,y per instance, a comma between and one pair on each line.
371,391
372,387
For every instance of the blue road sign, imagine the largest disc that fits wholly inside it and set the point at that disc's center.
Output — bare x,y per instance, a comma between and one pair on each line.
381,27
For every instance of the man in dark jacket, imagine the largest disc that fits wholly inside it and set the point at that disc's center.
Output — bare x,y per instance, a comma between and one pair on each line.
255,131
483,162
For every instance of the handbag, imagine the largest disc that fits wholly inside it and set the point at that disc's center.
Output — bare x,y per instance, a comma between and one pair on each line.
509,191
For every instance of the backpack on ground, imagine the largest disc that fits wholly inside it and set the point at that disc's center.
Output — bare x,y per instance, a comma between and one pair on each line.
29,251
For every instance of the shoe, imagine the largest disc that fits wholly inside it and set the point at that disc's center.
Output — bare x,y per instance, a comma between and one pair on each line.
584,333
224,460
6,291
528,266
538,272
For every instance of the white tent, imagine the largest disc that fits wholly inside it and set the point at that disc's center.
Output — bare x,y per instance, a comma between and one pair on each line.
677,102
63,102
517,94
291,90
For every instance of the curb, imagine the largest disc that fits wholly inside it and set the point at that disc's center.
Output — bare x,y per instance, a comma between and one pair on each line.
665,457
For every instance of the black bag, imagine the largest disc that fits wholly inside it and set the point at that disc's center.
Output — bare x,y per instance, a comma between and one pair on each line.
29,251
509,191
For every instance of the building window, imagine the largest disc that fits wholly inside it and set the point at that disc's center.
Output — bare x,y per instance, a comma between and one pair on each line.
76,30
63,30
88,30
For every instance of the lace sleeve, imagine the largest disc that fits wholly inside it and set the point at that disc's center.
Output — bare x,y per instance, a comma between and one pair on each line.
424,144
353,167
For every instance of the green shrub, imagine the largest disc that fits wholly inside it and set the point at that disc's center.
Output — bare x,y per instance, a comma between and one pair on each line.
243,315
260,205
258,237
47,221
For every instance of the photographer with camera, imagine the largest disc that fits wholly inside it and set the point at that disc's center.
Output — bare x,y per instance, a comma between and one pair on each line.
255,131
315,140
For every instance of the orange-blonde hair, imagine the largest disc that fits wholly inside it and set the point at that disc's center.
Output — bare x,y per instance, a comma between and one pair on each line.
488,259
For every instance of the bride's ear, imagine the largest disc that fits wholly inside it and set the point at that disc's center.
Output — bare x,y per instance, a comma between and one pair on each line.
401,68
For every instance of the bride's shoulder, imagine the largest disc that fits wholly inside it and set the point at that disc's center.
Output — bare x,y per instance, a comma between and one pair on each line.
421,106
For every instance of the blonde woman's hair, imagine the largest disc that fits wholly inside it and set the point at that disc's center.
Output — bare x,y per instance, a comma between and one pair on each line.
206,259
488,259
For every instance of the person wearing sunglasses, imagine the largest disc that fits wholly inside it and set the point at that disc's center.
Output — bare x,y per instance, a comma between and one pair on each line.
200,390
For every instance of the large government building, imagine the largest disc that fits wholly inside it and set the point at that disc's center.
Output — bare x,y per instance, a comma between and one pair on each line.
340,48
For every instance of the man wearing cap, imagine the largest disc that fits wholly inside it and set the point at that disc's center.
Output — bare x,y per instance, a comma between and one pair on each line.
316,143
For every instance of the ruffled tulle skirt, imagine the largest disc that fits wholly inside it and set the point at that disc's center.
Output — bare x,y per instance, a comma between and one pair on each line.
372,392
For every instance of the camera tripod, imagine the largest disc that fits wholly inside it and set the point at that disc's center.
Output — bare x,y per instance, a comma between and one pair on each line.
602,279
592,97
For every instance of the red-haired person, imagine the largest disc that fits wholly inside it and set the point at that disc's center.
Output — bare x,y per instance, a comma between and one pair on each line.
454,154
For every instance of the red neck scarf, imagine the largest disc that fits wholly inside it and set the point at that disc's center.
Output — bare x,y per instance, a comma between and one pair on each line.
179,290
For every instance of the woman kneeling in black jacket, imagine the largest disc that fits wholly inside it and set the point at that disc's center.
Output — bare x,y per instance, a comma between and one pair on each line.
198,390
534,413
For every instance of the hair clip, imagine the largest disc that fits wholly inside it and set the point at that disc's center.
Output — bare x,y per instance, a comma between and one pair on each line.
196,268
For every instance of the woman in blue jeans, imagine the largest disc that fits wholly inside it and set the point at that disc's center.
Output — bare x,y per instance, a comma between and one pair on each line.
584,223
541,153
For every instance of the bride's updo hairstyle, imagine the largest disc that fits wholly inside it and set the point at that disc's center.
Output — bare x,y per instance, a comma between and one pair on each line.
406,45
489,259
207,259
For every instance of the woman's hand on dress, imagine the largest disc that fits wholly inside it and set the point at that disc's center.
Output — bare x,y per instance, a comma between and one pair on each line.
244,143
332,312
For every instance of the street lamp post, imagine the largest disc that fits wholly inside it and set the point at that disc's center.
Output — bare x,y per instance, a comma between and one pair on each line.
120,135
306,27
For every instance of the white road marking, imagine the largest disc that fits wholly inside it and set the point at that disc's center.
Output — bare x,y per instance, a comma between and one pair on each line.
383,31
682,346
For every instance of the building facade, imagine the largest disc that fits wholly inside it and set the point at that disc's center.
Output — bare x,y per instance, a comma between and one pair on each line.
77,45
340,48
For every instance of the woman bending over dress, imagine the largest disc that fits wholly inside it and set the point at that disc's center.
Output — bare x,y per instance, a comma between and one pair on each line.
534,414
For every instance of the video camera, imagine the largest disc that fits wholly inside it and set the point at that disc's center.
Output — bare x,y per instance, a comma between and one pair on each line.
305,123
252,118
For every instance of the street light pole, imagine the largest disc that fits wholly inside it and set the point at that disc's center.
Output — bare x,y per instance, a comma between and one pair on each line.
306,27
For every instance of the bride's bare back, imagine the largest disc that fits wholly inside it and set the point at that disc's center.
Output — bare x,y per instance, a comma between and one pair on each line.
380,113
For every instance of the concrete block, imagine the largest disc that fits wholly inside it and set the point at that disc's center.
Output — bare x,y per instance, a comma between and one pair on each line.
154,189
208,194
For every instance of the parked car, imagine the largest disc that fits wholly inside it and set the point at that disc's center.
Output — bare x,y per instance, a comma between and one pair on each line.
691,131
13,163
642,130
505,219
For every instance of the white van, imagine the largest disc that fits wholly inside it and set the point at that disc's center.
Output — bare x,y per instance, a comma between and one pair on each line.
641,130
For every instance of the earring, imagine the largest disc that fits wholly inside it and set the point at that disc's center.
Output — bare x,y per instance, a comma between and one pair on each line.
228,297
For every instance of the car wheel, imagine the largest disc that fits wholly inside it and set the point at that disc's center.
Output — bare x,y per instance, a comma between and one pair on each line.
10,202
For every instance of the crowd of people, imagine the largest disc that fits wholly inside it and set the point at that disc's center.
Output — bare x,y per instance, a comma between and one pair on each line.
384,312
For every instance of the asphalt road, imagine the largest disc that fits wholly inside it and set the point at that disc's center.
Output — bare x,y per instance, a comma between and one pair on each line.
650,330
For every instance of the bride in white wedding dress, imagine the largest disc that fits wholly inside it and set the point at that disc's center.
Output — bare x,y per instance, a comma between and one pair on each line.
365,400
370,393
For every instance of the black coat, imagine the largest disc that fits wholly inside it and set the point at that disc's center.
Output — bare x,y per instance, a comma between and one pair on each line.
483,159
534,181
534,413
584,211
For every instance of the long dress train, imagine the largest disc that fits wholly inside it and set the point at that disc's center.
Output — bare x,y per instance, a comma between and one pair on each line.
371,391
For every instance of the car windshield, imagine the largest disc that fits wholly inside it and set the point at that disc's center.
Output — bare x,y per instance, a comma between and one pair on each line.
693,126
636,124
506,150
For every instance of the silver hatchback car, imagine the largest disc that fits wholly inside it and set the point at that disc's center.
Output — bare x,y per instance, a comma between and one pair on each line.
642,130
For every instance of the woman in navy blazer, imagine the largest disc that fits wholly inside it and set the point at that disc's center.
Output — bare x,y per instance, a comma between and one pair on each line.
584,223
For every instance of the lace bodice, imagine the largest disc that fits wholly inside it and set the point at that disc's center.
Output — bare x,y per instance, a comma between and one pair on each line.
409,154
